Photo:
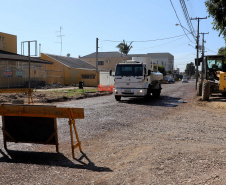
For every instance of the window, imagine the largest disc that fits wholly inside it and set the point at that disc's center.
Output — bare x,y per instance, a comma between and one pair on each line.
215,63
129,70
100,63
88,76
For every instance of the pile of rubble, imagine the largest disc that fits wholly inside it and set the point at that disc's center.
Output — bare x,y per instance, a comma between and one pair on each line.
55,86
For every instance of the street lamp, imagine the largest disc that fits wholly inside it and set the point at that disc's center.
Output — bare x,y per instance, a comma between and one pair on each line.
184,28
191,46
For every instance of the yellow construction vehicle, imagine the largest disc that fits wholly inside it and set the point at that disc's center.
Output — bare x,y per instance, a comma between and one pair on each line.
214,77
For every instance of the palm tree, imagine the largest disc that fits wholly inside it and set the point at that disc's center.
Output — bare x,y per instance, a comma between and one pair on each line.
124,48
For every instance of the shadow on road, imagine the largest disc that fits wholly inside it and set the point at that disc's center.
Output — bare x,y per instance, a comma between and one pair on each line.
50,159
164,101
217,98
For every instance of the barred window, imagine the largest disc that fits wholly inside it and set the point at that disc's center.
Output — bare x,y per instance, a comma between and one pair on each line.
101,63
88,76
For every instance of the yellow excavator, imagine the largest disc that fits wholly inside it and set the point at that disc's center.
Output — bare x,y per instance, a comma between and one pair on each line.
214,77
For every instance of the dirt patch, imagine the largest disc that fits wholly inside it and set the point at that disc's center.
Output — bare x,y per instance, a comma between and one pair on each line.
216,101
53,95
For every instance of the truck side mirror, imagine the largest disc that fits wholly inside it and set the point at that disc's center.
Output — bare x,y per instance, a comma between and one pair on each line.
110,72
149,72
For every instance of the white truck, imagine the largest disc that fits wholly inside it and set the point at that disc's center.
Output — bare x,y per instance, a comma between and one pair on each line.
136,79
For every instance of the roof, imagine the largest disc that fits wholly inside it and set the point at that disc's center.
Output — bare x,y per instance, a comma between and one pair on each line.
4,55
113,54
72,62
160,55
137,55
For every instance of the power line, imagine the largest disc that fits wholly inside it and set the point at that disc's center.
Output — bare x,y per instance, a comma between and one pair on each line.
183,5
211,50
180,21
159,44
146,40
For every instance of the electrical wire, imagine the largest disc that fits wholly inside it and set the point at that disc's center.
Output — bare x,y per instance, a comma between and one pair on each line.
186,14
146,40
159,44
211,50
180,22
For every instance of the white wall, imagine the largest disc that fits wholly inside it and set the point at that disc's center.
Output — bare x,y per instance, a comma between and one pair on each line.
106,79
145,60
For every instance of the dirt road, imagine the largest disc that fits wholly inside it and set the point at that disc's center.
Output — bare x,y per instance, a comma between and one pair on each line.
173,140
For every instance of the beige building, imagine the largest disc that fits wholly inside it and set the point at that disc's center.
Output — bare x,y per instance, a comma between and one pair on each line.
106,60
49,69
14,68
68,70
8,42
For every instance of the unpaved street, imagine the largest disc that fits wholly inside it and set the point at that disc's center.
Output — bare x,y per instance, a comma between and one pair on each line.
176,139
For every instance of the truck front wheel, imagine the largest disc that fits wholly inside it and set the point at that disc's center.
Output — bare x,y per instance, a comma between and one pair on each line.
156,93
118,98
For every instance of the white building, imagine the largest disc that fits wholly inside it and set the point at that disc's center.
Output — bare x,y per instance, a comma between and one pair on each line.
165,59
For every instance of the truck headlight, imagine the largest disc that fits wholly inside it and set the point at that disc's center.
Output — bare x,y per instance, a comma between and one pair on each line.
141,91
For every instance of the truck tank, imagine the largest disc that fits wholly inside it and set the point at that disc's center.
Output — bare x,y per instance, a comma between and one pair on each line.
156,76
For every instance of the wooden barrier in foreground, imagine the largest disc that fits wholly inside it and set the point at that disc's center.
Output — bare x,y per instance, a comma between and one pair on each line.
37,124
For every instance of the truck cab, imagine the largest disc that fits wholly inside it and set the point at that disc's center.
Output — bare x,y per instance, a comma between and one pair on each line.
132,79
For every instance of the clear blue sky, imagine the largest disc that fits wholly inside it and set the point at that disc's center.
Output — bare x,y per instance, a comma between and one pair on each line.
83,21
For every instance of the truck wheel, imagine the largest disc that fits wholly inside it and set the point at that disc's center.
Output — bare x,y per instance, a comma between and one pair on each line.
199,89
206,91
118,98
156,93
147,96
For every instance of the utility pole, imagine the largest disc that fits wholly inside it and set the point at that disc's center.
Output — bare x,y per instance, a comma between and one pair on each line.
97,61
203,50
196,72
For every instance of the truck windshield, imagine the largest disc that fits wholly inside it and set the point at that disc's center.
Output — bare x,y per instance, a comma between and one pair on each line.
129,70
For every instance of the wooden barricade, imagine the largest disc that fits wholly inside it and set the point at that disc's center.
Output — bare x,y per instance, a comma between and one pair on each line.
37,124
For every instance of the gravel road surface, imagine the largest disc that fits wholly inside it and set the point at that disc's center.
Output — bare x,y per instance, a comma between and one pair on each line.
176,139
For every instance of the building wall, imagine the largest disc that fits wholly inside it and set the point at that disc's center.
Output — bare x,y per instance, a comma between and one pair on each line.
163,58
106,79
65,75
16,74
8,42
108,63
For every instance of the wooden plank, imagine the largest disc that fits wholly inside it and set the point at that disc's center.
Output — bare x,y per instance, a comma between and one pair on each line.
19,90
40,111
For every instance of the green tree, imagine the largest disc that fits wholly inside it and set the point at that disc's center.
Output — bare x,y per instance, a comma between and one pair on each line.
169,72
222,51
217,10
124,47
190,69
161,69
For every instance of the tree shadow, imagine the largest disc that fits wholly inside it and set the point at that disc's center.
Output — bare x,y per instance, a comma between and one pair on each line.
163,101
50,159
